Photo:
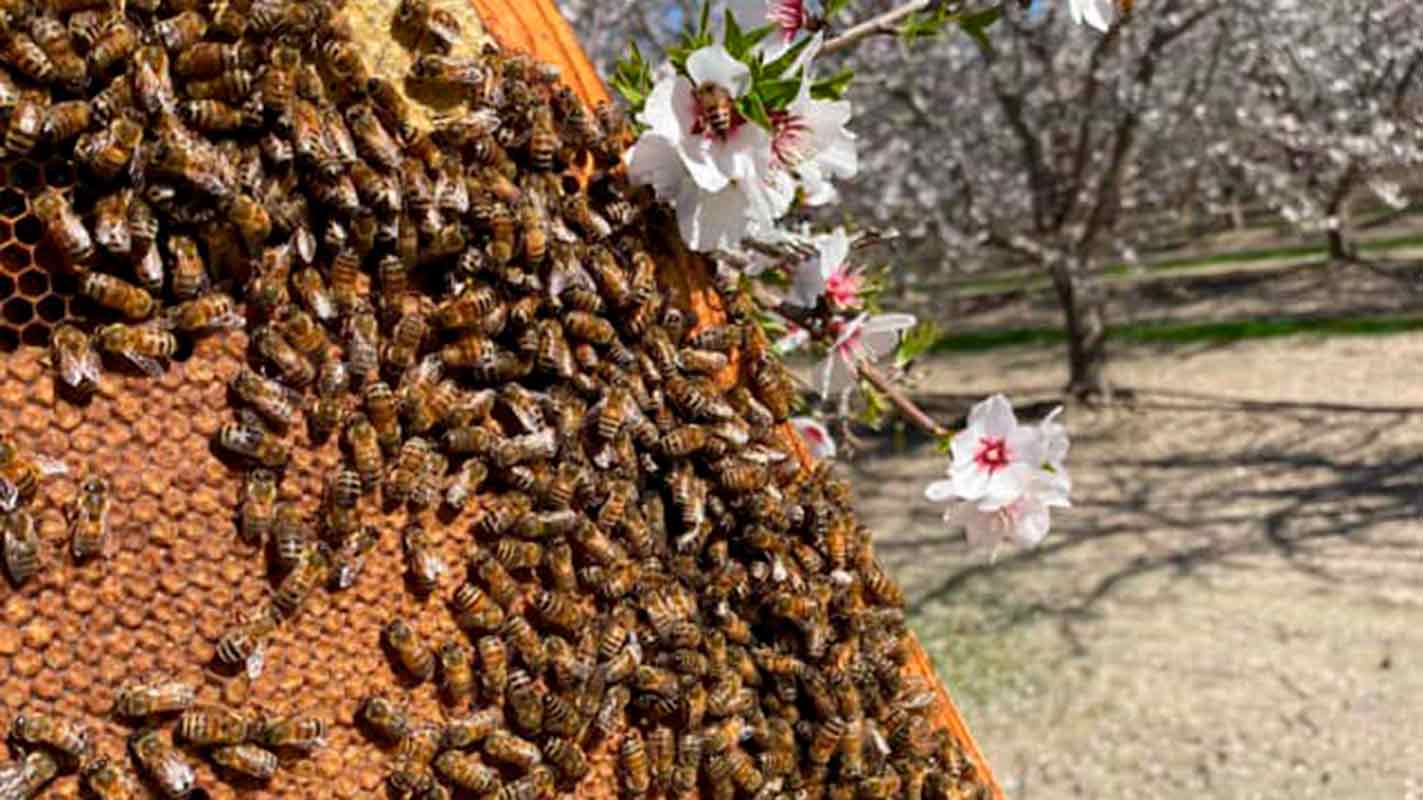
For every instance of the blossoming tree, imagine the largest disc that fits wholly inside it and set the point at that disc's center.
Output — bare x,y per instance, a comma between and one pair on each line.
1327,103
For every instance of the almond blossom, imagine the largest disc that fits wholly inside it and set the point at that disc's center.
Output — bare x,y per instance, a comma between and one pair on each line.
816,437
827,273
1093,13
1004,477
863,338
700,154
810,139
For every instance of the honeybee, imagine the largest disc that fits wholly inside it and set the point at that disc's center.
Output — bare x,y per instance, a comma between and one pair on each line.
568,758
362,344
293,368
506,748
141,345
611,714
106,780
118,40
524,703
22,52
205,725
89,518
452,70
190,274
303,333
75,360
107,152
456,674
291,733
349,557
164,765
255,444
209,59
544,142
382,409
423,563
560,712
474,610
290,537
414,656
471,729
293,590
27,777
633,764
178,33
385,718
140,701
247,760
270,398
245,642
345,63
493,665
364,446
67,231
153,81
405,340
66,120
467,772
64,738
408,471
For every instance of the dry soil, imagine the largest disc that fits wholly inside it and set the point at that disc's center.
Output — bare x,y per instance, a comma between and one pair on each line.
1234,606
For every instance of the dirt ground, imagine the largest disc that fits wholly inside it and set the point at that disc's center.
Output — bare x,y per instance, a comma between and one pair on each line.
1232,608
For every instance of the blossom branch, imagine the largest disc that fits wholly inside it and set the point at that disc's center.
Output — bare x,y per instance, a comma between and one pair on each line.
889,23
901,401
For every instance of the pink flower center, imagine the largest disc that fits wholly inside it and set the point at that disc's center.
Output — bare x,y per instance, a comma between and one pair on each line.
788,15
992,454
843,289
788,138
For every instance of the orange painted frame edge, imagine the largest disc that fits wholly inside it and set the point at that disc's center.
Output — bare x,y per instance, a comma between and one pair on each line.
538,27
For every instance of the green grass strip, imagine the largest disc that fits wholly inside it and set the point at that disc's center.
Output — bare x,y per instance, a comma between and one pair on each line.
1187,332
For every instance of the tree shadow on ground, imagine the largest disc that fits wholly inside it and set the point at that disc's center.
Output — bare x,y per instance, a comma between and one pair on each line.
1289,479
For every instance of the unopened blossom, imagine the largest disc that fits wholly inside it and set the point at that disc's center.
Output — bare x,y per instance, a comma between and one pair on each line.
787,19
717,177
1093,13
811,141
816,437
1004,477
863,338
827,273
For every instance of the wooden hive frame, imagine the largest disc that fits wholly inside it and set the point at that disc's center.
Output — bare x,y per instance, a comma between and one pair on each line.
537,27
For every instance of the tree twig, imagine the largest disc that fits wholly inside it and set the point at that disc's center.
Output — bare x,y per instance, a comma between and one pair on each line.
888,22
901,401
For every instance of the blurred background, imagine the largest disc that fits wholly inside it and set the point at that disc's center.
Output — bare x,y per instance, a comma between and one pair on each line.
1208,225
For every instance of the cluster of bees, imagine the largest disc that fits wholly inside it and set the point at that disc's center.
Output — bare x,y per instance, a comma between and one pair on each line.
472,313
241,746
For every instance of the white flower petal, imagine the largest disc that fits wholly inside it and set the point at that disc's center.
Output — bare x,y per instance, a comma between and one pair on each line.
939,491
807,285
994,417
714,64
654,161
712,220
817,438
836,375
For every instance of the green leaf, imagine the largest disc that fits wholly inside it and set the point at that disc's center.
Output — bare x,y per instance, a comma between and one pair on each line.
916,342
876,406
833,87
778,67
704,26
833,7
976,25
777,94
754,109
943,444
632,78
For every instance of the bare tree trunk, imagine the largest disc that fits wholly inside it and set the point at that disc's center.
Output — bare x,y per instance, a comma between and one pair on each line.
1080,295
1341,250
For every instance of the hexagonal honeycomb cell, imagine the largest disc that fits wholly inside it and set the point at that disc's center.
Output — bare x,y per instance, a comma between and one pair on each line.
176,574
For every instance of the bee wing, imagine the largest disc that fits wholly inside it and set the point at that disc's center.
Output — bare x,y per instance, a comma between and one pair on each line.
72,371
90,367
255,662
149,365
9,496
231,319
